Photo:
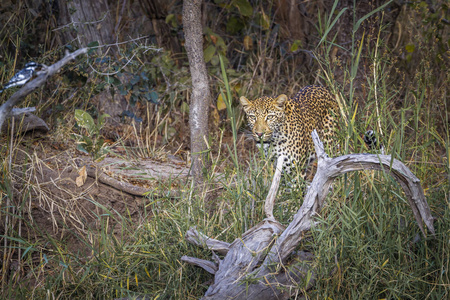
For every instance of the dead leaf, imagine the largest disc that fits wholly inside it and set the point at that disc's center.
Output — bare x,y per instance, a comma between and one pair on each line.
221,103
82,178
215,117
248,43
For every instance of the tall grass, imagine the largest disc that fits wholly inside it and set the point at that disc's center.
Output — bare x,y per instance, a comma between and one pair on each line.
366,242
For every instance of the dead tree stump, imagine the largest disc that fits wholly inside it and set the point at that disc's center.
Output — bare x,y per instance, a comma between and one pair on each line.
261,264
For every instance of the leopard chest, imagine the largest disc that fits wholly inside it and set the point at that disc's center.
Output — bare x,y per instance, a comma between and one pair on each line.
291,142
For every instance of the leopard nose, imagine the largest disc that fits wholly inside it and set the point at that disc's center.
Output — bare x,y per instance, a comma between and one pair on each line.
259,134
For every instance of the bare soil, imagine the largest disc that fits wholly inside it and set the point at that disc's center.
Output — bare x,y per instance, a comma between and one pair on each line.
47,184
55,203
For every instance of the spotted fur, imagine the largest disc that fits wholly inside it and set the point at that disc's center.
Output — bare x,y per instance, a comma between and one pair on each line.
285,124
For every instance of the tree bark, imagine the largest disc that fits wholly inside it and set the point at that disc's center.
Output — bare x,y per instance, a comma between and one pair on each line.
200,99
289,16
86,21
157,11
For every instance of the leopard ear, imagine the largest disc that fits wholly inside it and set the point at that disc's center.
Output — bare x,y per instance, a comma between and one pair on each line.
244,101
280,100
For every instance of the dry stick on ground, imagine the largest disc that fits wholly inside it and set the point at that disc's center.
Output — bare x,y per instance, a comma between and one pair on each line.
42,76
261,265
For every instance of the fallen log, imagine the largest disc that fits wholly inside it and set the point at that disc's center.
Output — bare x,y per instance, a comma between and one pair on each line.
140,178
26,121
262,263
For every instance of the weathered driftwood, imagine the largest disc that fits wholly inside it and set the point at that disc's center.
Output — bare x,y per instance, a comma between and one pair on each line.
41,78
261,264
270,199
199,239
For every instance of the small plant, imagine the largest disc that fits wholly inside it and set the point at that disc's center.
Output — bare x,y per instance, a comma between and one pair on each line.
92,143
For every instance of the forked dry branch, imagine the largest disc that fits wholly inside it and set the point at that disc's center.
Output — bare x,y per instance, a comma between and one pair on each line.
262,263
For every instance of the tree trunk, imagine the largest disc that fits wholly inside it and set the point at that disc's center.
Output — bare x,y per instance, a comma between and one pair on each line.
86,21
157,11
199,106
290,17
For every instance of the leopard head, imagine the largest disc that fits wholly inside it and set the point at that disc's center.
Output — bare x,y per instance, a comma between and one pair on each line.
265,115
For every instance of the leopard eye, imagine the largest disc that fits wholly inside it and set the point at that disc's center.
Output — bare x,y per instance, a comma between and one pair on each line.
270,117
251,118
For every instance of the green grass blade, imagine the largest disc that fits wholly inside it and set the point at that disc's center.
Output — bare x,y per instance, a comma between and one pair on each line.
358,23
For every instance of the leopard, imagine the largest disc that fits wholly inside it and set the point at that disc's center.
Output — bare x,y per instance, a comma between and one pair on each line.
282,126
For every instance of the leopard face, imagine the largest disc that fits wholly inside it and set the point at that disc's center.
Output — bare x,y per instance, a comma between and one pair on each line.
285,124
265,116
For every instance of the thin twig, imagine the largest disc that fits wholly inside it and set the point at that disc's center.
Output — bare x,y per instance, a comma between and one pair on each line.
82,23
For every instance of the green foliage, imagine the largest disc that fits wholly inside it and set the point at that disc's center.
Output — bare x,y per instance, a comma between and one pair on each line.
137,86
215,48
231,111
434,23
92,143
136,81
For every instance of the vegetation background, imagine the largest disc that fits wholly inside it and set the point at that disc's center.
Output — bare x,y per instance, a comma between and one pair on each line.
388,61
